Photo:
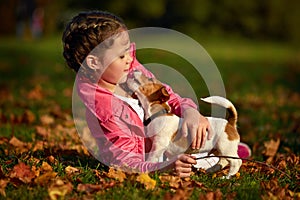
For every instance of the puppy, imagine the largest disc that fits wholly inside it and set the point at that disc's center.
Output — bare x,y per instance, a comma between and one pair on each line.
162,126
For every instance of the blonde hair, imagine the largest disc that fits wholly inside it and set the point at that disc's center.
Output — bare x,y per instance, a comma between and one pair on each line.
85,32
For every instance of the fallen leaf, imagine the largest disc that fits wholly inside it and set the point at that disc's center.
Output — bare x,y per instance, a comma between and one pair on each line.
173,181
46,167
116,174
217,195
147,181
43,131
183,194
45,179
271,148
88,188
28,117
18,144
39,145
22,172
3,140
36,93
3,184
59,189
46,119
71,170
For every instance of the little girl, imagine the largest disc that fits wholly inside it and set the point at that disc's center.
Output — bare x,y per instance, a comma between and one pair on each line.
97,47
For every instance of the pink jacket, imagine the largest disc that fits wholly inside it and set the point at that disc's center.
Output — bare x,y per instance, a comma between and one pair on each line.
118,130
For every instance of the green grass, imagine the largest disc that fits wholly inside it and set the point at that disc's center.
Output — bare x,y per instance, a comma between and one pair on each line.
261,78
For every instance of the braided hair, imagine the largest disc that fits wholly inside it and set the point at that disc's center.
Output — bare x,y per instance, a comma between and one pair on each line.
84,32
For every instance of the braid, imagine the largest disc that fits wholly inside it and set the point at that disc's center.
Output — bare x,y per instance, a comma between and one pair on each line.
85,32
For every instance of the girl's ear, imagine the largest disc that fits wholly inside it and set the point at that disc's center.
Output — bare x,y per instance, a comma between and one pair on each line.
93,62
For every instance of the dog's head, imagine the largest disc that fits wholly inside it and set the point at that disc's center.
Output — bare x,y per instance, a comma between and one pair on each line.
151,88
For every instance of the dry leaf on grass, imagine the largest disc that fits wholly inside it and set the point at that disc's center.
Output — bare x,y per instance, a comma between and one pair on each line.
271,148
46,119
59,189
46,167
71,170
3,184
28,117
88,188
46,178
116,174
217,195
147,181
22,172
173,181
19,145
36,93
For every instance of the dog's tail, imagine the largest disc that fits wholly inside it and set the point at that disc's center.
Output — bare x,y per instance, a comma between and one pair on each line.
221,101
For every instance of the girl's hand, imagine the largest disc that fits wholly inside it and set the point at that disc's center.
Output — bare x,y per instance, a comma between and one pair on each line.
196,126
183,165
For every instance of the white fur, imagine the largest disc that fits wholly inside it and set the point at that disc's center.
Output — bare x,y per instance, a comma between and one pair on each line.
163,130
221,101
164,127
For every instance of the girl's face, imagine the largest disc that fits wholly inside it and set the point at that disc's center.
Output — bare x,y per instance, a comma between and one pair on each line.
117,59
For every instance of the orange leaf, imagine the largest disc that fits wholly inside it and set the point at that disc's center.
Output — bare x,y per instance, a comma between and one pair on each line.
21,146
23,172
217,195
3,184
116,174
36,93
39,145
28,117
46,119
148,182
16,142
46,167
183,194
42,131
173,181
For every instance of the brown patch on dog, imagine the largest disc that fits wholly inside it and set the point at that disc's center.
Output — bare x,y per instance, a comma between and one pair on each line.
231,132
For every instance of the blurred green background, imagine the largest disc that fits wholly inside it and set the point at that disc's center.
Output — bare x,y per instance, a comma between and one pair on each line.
270,19
255,45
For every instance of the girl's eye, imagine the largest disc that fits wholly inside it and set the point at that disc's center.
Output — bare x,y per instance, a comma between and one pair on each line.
122,56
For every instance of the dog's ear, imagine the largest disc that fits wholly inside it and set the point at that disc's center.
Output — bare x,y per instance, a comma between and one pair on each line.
164,94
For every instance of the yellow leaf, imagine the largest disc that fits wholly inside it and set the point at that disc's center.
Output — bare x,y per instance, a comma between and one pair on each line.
214,175
44,179
59,190
71,170
116,174
46,167
147,181
238,175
